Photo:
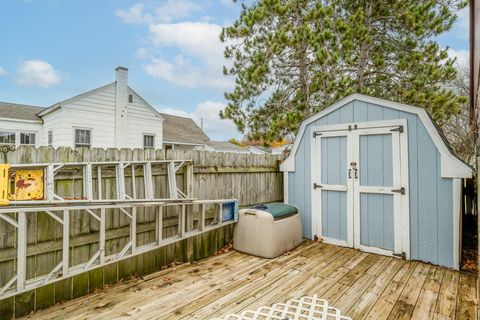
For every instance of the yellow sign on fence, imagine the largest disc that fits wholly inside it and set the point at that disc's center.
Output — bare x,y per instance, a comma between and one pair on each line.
26,185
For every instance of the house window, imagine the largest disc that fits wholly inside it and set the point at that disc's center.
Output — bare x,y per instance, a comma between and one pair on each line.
27,138
50,137
7,137
148,141
82,138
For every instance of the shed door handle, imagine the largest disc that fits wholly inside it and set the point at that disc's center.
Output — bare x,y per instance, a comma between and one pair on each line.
349,173
401,190
356,173
315,186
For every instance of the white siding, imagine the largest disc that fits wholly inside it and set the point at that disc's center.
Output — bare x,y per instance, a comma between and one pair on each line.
96,111
143,120
22,126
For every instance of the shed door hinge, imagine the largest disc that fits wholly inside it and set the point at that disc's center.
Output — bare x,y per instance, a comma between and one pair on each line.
316,185
399,129
401,255
401,190
316,133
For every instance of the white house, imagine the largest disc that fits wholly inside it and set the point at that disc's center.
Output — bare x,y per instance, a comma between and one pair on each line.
113,115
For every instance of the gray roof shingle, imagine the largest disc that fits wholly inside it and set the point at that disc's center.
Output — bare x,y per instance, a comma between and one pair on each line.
19,111
226,146
183,130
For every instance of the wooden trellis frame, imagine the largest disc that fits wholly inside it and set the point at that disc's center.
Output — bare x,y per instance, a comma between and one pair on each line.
62,214
305,308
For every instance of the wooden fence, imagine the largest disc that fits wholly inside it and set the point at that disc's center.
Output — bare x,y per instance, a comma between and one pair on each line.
249,178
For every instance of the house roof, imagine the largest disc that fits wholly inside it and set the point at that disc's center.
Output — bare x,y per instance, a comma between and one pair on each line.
261,148
59,104
19,111
451,165
182,130
226,146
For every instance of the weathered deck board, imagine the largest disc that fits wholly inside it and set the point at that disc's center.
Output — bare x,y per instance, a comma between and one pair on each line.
364,286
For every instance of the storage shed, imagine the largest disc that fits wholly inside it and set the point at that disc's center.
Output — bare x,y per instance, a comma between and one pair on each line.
377,175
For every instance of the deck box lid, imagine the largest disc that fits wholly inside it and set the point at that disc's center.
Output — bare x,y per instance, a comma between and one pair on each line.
277,210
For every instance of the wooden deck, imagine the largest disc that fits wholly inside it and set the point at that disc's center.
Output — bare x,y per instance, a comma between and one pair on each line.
361,285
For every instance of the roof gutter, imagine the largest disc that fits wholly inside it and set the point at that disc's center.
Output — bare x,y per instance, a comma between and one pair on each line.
22,120
186,143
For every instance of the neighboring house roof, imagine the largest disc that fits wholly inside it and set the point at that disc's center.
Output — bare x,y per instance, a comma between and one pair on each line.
19,111
281,149
178,129
261,149
225,146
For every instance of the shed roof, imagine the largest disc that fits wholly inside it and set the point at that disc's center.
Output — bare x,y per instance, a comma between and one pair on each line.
19,111
451,165
182,130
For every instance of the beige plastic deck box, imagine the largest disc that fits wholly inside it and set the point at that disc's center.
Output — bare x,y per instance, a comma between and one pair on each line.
268,230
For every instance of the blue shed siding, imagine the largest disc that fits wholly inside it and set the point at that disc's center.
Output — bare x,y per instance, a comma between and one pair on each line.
430,195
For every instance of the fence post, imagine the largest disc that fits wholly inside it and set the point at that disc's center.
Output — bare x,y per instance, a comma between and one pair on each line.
21,250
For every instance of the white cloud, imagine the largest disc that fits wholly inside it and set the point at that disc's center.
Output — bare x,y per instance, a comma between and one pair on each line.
463,56
200,39
185,53
176,9
182,72
200,61
169,11
214,127
228,3
2,71
133,15
37,73
462,24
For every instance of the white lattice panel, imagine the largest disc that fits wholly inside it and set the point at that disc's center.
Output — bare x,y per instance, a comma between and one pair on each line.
307,308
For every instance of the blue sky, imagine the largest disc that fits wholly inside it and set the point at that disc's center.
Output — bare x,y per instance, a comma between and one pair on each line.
51,50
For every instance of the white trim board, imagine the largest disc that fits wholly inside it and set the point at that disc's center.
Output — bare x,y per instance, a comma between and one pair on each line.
457,198
21,120
451,166
285,187
185,143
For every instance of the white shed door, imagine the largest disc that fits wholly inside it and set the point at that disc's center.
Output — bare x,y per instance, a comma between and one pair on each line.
357,191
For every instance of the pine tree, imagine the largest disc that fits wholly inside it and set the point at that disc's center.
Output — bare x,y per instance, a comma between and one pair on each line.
292,58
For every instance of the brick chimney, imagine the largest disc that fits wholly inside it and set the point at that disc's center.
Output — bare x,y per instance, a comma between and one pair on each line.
121,103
